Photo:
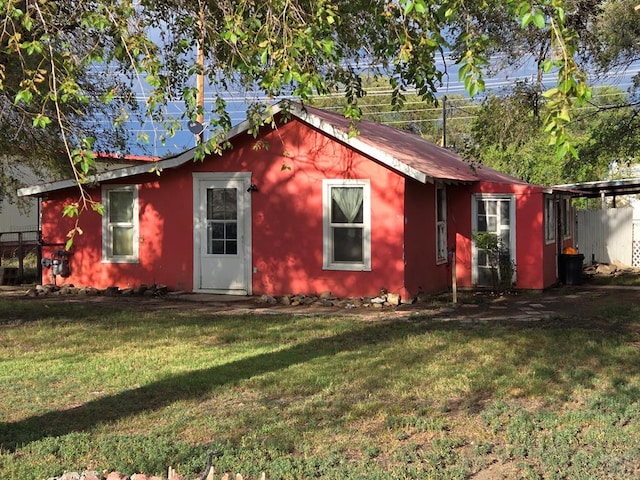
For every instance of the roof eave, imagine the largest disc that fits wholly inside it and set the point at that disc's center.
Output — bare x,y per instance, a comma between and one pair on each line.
165,164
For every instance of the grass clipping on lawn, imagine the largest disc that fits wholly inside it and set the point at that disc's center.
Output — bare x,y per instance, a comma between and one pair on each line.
111,387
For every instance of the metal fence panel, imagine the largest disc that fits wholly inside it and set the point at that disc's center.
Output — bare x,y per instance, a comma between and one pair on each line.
605,235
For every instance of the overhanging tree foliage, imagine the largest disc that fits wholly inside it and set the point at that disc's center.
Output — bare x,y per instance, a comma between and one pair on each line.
273,47
50,91
508,136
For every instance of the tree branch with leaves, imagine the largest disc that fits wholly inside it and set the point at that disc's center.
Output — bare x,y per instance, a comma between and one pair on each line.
273,48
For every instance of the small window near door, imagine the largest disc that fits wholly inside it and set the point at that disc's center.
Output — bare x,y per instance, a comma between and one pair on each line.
549,220
346,225
120,224
441,224
565,215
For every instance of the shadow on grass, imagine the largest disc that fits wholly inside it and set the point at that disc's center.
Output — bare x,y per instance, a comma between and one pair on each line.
190,385
199,383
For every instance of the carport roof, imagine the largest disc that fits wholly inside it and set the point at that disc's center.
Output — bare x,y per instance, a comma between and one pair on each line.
607,188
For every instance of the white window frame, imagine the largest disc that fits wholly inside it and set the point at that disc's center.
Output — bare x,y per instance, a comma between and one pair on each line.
565,213
512,230
549,219
327,243
441,225
107,236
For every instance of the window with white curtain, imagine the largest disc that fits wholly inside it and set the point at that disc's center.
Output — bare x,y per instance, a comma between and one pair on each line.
346,225
120,224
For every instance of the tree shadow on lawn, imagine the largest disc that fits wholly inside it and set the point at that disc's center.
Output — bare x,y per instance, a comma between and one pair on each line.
199,383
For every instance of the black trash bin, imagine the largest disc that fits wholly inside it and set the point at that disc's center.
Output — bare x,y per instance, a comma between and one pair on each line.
570,268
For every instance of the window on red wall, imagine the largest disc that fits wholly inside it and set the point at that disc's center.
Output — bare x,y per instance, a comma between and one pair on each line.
565,215
549,219
441,224
346,225
120,224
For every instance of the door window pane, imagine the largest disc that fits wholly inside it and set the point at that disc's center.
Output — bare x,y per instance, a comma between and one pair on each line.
216,231
231,231
222,204
222,223
216,247
231,247
505,212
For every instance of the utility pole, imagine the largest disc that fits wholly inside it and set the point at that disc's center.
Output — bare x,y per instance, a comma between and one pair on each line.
200,78
444,121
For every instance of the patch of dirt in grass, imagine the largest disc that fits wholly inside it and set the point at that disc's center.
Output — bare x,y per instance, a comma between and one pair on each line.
496,471
585,303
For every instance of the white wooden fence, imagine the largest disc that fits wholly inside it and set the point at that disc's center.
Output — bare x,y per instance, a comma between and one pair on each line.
606,235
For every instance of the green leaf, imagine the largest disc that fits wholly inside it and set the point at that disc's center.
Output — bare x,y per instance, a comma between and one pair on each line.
538,19
27,22
561,14
23,96
523,8
547,65
41,121
409,7
70,210
564,114
98,208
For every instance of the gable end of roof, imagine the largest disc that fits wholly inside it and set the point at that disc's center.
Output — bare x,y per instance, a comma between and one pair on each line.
353,141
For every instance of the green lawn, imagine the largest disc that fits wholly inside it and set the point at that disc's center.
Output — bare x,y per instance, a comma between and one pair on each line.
302,397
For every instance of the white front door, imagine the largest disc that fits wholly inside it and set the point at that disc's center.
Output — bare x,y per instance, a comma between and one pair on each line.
222,233
492,214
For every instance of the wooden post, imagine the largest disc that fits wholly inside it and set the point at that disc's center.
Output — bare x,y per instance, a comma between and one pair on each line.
454,280
444,122
200,77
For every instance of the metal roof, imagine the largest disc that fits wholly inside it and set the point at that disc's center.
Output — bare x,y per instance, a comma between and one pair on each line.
607,188
401,151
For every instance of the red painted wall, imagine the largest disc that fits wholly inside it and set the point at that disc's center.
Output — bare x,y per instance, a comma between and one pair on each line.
422,271
286,215
288,166
535,261
166,254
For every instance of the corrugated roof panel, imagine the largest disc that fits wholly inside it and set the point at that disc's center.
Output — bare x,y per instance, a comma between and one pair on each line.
412,150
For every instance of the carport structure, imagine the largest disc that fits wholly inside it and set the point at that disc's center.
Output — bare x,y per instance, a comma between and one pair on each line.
603,188
612,233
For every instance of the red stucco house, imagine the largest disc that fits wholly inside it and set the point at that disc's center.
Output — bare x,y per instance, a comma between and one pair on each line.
303,208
